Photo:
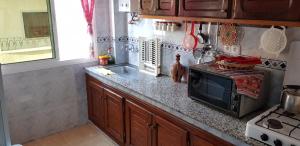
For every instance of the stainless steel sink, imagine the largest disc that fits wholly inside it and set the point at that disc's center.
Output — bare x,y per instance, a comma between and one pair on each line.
125,70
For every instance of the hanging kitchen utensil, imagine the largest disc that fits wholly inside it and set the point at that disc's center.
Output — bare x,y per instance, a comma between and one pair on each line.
193,34
228,34
273,40
187,42
208,34
202,38
190,40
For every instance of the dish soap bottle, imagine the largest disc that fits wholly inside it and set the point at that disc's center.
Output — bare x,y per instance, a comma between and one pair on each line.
111,59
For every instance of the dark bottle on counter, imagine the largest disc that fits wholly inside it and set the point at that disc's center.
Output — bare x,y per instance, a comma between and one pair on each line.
111,59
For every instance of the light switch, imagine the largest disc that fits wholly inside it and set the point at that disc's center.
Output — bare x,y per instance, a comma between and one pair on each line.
128,5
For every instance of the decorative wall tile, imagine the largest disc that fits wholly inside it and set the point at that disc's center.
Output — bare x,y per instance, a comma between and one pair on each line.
274,64
130,45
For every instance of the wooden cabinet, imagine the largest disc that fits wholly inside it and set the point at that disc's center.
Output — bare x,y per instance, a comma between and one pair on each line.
95,103
205,8
267,9
146,125
114,123
138,125
159,7
105,109
168,134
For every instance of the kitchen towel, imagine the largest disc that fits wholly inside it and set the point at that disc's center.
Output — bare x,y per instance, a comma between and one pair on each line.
248,82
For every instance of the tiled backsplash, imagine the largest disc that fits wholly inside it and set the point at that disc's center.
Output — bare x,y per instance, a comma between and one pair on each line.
130,45
126,37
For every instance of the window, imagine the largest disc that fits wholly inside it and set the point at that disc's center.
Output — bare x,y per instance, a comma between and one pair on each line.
73,39
25,31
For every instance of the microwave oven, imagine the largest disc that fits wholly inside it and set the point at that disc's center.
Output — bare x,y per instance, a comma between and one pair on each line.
210,86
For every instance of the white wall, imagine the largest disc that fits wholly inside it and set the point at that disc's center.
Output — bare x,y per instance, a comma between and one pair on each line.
73,39
46,101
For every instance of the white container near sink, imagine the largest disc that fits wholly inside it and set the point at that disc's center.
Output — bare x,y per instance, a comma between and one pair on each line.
150,56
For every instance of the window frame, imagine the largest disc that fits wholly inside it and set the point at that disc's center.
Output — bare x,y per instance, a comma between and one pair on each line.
54,49
46,63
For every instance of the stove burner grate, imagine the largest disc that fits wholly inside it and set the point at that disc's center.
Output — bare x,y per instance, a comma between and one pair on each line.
288,114
273,123
276,124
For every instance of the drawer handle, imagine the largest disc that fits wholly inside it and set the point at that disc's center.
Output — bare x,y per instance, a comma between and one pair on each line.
154,126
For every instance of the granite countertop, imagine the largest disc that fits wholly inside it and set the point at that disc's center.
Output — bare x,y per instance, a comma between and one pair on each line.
172,97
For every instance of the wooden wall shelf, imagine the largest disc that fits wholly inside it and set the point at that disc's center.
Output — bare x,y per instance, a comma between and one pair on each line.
235,21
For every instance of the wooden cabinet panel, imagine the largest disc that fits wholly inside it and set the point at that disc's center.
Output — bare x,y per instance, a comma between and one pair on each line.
138,122
166,7
205,8
147,7
267,9
168,134
114,123
95,103
159,7
196,141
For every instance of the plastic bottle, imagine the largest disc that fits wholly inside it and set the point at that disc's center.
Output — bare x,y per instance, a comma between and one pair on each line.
111,59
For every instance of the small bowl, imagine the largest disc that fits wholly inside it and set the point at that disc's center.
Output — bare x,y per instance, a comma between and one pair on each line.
103,60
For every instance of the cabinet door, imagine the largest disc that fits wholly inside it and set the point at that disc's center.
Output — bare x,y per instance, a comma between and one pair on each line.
147,7
198,138
138,122
114,123
166,7
196,141
205,8
168,134
95,103
267,9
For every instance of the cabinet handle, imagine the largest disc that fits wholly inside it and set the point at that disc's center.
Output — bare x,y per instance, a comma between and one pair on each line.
234,8
155,4
291,3
188,138
222,6
154,126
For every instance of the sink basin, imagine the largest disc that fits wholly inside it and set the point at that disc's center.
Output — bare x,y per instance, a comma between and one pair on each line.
125,71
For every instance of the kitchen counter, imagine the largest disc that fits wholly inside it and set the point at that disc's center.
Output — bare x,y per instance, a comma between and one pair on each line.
172,97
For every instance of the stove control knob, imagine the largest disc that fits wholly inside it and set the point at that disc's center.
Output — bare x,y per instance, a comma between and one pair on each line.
264,137
277,142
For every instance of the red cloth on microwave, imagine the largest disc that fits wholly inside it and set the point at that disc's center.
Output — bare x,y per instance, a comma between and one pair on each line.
248,82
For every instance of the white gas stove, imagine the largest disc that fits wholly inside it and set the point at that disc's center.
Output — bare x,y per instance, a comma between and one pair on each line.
275,127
